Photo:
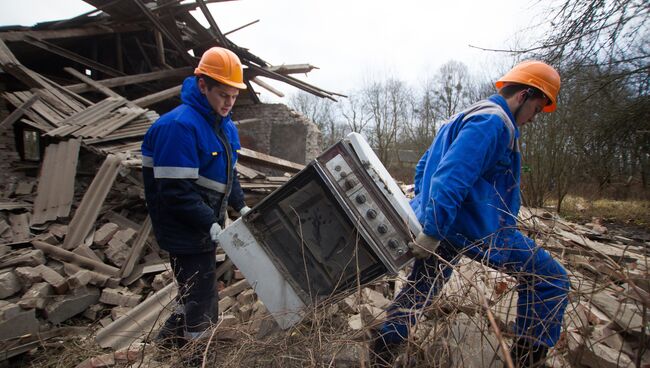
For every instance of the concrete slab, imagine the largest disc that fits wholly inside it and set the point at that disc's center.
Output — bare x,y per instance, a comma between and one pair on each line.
67,306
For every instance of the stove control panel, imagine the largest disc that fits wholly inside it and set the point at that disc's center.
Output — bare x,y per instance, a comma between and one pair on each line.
367,210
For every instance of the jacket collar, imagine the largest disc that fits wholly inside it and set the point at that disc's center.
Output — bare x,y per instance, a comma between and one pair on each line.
192,96
499,100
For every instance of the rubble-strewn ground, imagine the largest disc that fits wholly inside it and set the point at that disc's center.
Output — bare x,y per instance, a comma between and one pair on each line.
54,305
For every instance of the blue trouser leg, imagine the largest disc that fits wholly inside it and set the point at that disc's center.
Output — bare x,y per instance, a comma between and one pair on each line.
542,291
197,293
425,281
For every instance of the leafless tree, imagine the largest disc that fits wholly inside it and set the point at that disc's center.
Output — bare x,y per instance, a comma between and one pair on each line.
386,102
322,112
453,88
355,116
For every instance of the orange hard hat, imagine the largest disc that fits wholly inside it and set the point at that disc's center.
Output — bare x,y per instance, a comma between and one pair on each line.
536,74
223,66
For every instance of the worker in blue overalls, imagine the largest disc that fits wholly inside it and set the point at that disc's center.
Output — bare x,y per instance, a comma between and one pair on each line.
188,165
467,197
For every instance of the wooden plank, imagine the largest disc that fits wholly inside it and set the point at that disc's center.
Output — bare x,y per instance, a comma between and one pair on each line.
214,28
30,113
6,56
98,86
47,46
16,114
160,27
133,79
86,31
248,172
267,86
30,77
268,160
292,68
52,116
158,96
136,249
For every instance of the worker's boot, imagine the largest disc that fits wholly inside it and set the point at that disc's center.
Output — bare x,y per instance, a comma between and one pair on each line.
383,353
527,355
172,333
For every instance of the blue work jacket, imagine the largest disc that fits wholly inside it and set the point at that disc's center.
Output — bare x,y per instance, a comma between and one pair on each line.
185,172
467,182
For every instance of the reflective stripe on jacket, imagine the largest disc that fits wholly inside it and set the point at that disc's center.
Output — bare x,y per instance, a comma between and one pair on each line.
185,172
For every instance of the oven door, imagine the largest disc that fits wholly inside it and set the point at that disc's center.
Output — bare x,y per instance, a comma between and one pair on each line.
313,238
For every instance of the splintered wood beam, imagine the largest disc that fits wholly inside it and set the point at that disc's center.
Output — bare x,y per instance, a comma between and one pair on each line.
213,24
16,114
160,27
72,56
292,68
241,27
160,46
158,96
15,36
267,87
268,160
101,88
133,79
291,81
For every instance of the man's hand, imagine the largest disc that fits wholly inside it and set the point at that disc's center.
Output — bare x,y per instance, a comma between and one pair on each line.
244,210
424,245
214,231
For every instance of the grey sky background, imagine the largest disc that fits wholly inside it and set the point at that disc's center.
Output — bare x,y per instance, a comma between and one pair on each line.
354,40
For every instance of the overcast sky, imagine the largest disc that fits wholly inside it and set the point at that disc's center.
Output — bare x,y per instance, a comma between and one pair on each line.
354,40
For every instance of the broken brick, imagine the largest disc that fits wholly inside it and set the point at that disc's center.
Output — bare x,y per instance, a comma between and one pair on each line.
53,278
58,230
37,296
81,278
117,252
125,236
105,234
29,275
121,297
246,297
9,284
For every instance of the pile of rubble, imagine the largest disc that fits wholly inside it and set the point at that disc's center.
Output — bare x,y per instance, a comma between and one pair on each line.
78,258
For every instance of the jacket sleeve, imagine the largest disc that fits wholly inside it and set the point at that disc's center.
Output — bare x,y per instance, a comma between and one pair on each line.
419,171
236,199
471,153
176,167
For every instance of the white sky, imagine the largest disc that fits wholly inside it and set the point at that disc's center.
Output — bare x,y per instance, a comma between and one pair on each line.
353,40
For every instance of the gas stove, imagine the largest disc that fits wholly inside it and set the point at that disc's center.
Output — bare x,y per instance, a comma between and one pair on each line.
340,222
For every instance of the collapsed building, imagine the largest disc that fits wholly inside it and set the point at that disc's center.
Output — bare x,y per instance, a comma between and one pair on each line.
77,247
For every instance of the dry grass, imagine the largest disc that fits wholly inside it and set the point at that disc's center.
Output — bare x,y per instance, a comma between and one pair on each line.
635,212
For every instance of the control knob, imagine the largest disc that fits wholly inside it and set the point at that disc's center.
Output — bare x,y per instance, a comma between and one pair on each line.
361,198
383,229
372,214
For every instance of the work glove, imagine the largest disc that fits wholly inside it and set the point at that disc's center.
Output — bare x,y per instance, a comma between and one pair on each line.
424,245
215,229
244,210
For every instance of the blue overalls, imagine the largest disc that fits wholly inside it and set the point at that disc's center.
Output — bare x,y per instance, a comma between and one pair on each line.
468,196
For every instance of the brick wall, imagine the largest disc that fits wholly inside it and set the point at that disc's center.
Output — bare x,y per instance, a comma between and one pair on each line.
279,132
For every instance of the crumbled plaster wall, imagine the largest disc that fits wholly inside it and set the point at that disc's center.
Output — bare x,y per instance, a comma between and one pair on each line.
279,132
